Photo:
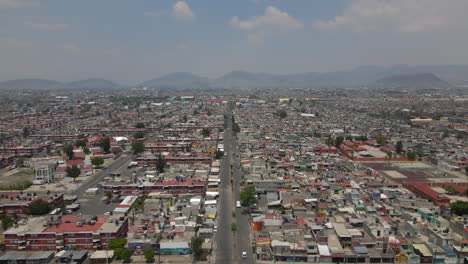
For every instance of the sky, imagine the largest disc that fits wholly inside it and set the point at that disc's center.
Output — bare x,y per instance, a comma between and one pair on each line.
131,41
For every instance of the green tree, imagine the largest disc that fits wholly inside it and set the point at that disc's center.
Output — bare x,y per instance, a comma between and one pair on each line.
73,172
7,221
411,155
399,147
105,145
380,139
338,141
233,227
138,147
161,164
97,161
219,154
205,132
26,132
235,128
140,125
139,135
197,251
117,243
80,143
149,254
86,151
68,149
459,207
281,113
126,254
247,196
38,207
19,162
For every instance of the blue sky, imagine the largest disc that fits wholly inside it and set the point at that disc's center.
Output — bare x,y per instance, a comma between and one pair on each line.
129,41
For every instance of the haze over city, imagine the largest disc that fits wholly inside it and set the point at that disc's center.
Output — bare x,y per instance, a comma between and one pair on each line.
132,41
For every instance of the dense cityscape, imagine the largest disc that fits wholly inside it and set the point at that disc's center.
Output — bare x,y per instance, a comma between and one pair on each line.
233,131
260,176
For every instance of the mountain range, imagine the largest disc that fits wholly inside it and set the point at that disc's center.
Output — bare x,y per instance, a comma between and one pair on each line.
397,76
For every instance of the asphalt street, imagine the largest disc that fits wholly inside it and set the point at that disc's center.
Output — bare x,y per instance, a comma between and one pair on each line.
93,205
224,236
231,245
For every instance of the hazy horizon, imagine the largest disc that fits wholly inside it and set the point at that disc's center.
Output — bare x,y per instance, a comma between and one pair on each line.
137,41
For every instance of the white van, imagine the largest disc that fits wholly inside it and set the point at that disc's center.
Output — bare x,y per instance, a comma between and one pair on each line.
238,204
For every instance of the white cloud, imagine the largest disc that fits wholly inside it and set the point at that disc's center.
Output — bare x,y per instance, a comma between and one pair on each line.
18,3
13,42
272,19
48,27
272,22
181,10
398,15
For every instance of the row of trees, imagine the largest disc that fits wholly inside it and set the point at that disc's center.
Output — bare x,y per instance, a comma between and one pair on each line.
120,251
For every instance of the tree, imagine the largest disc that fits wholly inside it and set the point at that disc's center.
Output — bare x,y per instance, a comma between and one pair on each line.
338,141
80,143
126,254
138,147
68,149
97,161
7,221
235,128
73,172
19,162
139,135
380,139
281,113
117,243
219,154
86,151
105,145
197,251
149,254
460,207
247,196
25,132
205,132
38,207
399,147
160,164
411,155
140,125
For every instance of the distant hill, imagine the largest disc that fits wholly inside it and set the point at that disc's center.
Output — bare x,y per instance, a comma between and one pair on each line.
92,84
26,84
177,80
435,76
41,84
412,81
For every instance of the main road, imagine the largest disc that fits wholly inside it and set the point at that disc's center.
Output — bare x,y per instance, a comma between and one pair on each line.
230,245
224,236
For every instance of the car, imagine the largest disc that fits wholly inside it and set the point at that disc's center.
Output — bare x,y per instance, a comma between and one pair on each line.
215,229
238,204
244,254
107,201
